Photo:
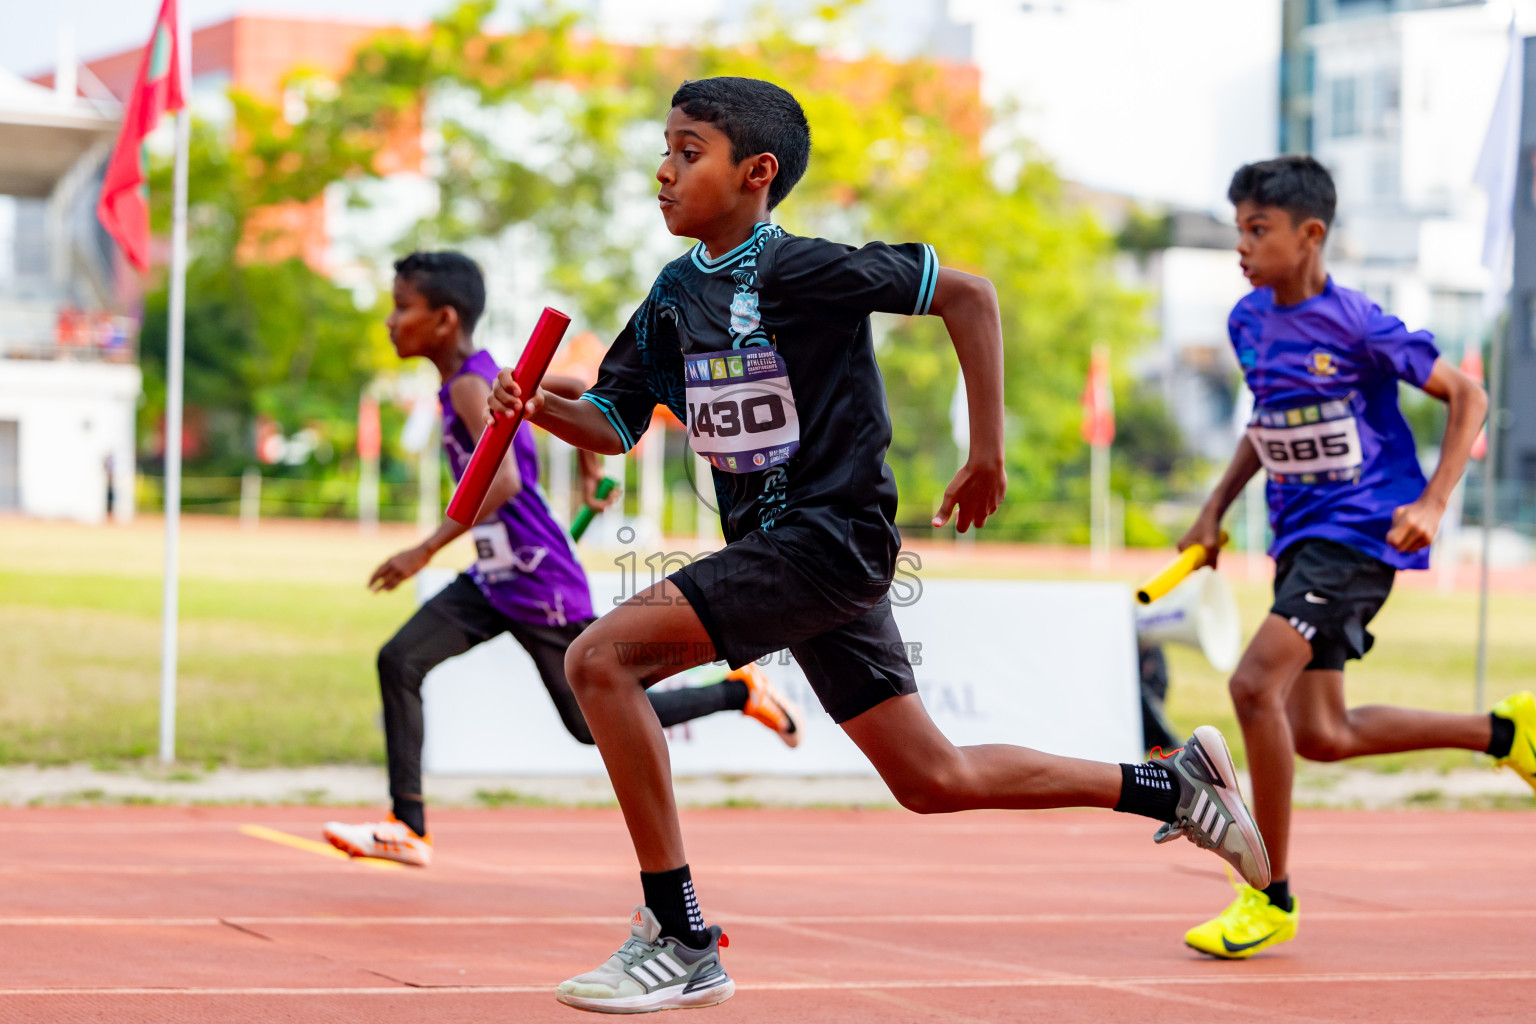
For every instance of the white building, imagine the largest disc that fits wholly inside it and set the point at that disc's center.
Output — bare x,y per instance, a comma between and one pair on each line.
1400,103
69,384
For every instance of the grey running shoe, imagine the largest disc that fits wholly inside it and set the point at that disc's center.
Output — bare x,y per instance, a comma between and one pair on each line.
1211,811
652,973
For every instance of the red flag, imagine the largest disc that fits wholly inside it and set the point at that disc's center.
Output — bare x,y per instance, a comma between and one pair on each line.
1472,366
1098,401
124,205
368,433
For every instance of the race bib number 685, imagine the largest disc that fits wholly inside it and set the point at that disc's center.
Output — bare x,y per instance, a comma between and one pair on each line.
741,411
1314,444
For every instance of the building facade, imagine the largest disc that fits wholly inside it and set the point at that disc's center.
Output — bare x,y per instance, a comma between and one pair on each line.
1395,97
68,379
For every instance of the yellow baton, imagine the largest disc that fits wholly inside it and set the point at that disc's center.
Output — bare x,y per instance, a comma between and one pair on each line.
1174,572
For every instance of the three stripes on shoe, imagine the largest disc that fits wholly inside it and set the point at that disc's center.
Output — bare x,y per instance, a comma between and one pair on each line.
654,972
1208,815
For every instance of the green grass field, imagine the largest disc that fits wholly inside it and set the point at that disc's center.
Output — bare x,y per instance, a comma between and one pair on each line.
278,636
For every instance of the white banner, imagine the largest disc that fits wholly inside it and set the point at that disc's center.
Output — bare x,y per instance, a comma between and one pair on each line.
1046,665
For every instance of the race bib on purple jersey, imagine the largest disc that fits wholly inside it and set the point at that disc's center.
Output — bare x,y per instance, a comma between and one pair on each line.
1312,444
498,560
741,411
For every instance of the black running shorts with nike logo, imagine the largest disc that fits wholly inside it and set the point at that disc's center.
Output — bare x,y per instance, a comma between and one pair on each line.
1329,592
761,594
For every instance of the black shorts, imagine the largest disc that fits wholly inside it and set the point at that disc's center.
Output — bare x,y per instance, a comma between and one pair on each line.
756,597
1330,592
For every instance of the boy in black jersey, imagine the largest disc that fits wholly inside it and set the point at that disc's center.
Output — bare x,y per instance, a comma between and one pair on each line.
760,341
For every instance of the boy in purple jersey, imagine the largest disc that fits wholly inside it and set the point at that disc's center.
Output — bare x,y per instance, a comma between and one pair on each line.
1349,507
760,341
525,581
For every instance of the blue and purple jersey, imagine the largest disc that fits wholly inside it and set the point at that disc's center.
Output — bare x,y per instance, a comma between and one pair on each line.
1326,424
526,566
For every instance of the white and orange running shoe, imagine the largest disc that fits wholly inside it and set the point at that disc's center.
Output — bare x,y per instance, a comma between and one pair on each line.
767,704
390,839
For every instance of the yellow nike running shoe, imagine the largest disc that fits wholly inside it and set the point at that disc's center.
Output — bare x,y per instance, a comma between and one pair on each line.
1520,708
1250,924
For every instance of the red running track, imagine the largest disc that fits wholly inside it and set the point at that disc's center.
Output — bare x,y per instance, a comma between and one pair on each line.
157,914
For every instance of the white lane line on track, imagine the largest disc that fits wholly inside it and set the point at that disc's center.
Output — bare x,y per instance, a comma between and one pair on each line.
1140,867
1384,825
732,919
1373,978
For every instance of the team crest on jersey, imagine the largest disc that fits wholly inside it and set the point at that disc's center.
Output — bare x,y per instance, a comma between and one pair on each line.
1321,364
744,315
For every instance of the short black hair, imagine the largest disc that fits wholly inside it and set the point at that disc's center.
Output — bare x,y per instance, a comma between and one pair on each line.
1295,183
447,279
758,117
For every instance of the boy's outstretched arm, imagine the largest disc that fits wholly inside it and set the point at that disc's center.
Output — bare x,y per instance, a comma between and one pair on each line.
577,423
468,394
1414,526
968,306
1207,526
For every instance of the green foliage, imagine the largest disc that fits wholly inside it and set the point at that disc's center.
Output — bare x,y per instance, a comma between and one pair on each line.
1144,233
273,338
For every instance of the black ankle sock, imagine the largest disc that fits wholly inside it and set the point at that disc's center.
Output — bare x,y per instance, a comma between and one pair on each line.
1503,739
734,695
1148,789
670,896
1279,894
412,812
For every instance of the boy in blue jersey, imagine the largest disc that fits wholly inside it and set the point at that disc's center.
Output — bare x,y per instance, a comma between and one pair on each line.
760,341
1349,507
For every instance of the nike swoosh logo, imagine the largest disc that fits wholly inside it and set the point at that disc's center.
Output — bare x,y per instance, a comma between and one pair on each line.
1238,947
1314,599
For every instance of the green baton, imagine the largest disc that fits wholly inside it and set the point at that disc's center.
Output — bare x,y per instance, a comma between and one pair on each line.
584,517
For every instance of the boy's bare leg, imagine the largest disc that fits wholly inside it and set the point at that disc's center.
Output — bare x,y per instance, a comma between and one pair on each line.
930,775
1328,730
653,635
1261,688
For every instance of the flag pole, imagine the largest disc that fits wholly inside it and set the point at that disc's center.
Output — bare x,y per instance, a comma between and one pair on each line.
1497,175
1490,507
174,361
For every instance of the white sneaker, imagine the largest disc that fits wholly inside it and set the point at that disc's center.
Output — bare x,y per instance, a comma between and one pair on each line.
391,839
1211,812
650,972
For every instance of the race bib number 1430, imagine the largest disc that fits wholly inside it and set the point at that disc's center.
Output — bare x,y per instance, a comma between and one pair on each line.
741,411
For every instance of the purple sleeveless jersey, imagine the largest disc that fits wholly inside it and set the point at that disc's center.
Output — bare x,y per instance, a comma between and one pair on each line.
526,566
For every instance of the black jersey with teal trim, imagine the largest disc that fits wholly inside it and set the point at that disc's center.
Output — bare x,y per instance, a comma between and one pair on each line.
809,299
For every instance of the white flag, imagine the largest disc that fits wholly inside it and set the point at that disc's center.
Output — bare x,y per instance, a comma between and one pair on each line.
1497,169
417,432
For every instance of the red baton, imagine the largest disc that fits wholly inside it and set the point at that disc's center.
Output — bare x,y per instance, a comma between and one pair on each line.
464,508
